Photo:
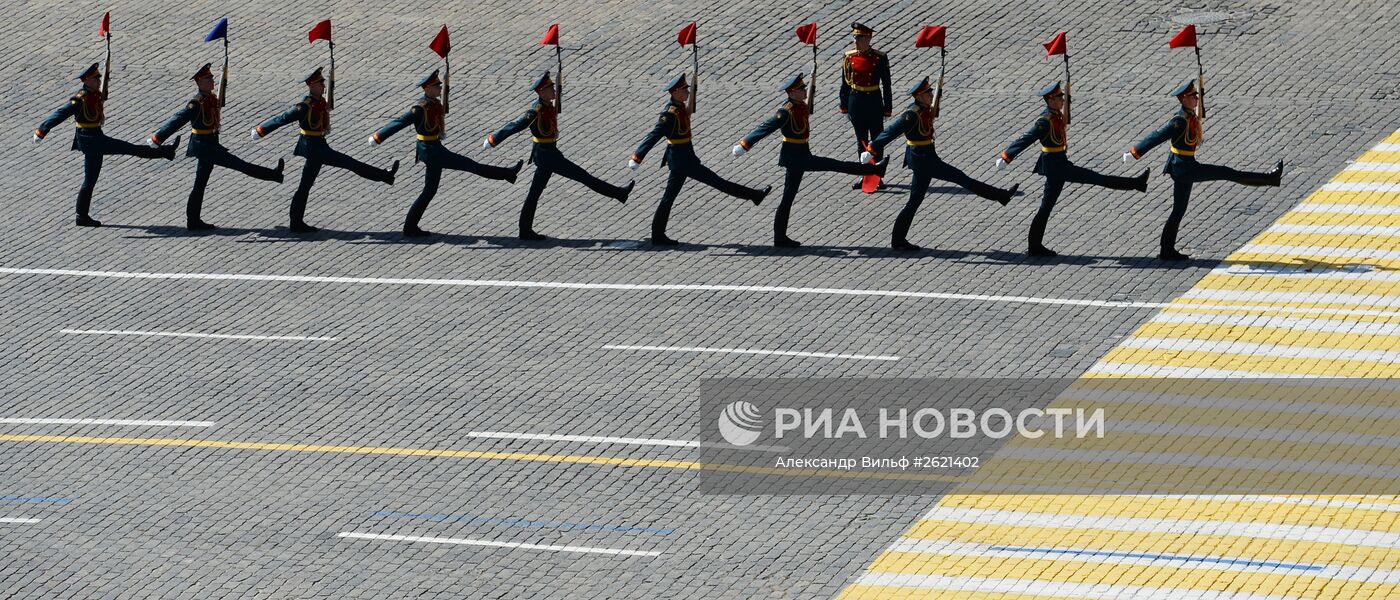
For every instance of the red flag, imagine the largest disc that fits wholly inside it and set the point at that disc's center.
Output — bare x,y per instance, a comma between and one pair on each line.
1056,46
551,37
687,35
441,44
932,36
807,34
1186,38
322,31
106,24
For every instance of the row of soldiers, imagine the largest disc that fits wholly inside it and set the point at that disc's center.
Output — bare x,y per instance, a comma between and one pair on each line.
865,96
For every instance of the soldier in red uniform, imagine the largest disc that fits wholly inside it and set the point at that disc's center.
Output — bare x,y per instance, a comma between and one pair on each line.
865,88
202,114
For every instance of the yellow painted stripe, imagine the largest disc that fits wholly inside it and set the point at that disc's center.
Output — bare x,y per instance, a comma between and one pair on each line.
1314,285
1373,198
1367,177
1220,508
1193,304
1206,448
1318,218
884,592
1393,138
1312,260
1330,240
1379,156
1380,394
1159,479
1270,335
1234,417
1067,571
1260,364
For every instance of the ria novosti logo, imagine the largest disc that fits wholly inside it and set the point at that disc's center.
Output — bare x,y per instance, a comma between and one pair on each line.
740,423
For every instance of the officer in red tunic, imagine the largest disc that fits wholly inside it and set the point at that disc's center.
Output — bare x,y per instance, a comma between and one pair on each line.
865,88
202,114
86,109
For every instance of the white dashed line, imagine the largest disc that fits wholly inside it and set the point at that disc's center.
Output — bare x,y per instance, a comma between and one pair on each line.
748,351
118,422
18,521
217,336
494,544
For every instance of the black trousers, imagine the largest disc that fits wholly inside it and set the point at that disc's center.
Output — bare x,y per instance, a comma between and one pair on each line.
436,159
1057,173
926,168
94,147
328,157
549,161
799,164
1184,173
685,165
866,110
218,156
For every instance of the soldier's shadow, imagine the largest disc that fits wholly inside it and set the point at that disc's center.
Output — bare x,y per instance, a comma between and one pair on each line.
489,242
263,236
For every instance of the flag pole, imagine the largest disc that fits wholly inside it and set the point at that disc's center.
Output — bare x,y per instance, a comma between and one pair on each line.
942,72
695,80
559,85
1069,95
446,82
812,83
223,83
330,92
1201,81
107,70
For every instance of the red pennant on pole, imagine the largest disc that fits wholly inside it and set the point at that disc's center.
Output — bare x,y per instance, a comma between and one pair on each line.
1186,38
807,34
1056,46
551,37
687,35
106,24
932,36
322,31
442,45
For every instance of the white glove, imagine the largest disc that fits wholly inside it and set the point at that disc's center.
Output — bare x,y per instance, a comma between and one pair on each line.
1126,156
486,144
372,141
37,139
256,137
152,143
738,150
867,157
632,164
1001,164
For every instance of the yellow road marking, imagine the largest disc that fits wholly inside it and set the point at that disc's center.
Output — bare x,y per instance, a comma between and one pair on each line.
1269,335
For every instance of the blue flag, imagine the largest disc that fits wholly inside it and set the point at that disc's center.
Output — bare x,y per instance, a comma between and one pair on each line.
220,30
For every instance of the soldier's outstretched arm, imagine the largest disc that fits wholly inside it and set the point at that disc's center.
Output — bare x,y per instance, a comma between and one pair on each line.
176,122
60,115
1156,138
1017,147
292,115
895,129
512,128
396,125
663,123
768,126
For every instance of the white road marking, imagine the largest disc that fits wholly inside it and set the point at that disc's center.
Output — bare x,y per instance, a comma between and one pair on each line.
747,351
1104,367
220,336
1188,306
1294,323
1285,296
1337,186
1031,586
1349,273
1216,401
1244,348
1386,147
1300,533
494,544
1374,166
630,441
1346,209
120,422
584,286
1376,230
18,521
1301,251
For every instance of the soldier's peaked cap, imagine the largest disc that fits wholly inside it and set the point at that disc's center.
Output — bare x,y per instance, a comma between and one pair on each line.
431,79
861,29
314,76
1050,89
920,87
203,72
791,82
541,81
1184,88
677,81
88,72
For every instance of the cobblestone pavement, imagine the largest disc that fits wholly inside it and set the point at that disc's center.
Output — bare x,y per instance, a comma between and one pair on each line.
365,379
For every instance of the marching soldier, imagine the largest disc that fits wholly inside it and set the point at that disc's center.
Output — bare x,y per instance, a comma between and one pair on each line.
542,121
865,88
1185,132
202,114
921,157
85,107
674,126
428,121
313,115
796,156
1054,164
